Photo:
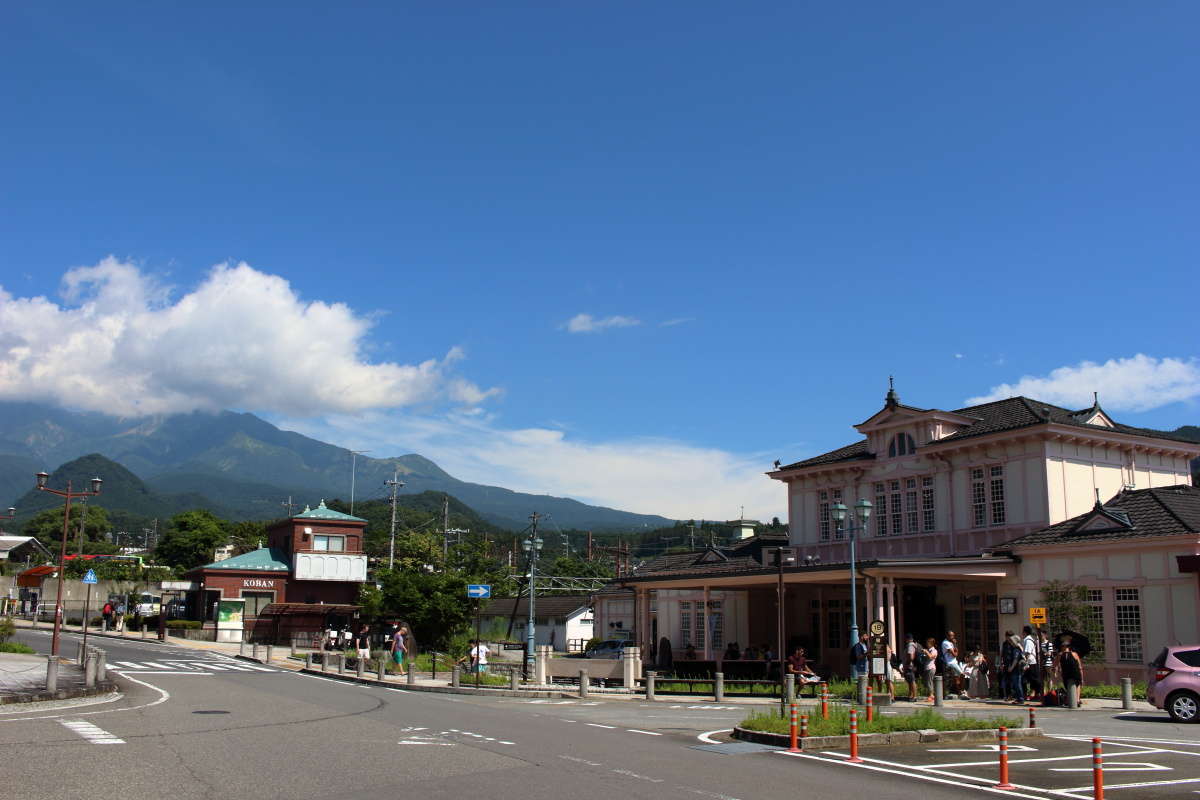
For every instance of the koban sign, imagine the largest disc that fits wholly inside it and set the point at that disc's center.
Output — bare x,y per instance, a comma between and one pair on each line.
258,583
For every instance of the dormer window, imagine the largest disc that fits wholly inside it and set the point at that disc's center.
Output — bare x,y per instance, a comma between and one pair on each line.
902,444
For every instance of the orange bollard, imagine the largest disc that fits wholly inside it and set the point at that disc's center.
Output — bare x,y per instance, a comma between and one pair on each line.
1097,771
1004,784
804,726
870,704
794,748
854,759
1032,719
824,700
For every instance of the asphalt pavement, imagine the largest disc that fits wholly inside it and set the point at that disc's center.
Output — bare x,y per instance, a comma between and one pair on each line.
195,724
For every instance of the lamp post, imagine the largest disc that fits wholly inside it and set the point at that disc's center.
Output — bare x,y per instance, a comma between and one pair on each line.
783,555
42,477
862,510
533,546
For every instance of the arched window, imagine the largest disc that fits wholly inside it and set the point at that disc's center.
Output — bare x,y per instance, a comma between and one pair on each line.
902,445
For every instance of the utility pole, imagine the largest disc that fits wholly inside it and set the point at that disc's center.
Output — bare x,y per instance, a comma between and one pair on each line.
354,454
288,504
445,528
589,546
532,546
395,483
82,518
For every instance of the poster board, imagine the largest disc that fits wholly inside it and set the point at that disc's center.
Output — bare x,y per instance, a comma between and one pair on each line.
230,613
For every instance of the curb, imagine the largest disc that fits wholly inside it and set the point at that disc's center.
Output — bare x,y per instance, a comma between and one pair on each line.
883,739
417,688
101,687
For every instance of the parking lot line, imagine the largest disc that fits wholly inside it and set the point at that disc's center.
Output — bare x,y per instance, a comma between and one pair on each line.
1048,758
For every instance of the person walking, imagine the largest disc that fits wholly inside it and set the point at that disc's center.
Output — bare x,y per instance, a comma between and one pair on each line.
362,643
399,649
1033,667
107,614
951,667
909,666
479,656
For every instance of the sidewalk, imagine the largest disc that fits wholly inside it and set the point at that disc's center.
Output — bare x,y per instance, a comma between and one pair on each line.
23,680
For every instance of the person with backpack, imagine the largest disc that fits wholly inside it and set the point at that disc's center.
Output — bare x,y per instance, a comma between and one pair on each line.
1070,668
1033,669
858,658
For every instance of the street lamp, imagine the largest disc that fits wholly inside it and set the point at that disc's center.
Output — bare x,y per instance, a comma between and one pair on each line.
42,477
533,546
783,556
862,510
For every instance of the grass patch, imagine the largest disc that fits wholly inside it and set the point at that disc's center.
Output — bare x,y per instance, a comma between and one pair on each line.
16,647
1111,691
838,723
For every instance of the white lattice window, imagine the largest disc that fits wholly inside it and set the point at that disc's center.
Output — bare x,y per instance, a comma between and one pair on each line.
685,622
823,514
997,498
881,516
716,624
910,506
1129,625
897,521
1094,611
928,509
978,499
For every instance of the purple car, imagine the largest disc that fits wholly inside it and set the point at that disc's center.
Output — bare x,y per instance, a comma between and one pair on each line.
1174,682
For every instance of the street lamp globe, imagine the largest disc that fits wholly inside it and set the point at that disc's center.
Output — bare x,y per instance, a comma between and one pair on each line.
863,510
42,477
96,485
838,512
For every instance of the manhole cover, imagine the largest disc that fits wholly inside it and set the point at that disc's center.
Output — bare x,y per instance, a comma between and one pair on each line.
210,712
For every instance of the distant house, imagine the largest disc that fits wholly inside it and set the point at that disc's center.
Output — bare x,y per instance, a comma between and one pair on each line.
564,623
19,549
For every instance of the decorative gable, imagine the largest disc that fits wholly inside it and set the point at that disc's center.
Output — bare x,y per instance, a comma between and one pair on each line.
1104,519
711,556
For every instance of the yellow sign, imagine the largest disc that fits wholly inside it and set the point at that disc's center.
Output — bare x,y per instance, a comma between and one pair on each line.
1037,616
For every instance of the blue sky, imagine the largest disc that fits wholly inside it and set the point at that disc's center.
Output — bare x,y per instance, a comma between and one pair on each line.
763,210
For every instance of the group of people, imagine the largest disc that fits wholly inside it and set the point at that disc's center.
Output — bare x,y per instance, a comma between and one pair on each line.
397,642
1028,667
751,653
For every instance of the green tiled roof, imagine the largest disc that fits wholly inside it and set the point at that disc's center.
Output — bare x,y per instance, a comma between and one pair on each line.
321,512
264,559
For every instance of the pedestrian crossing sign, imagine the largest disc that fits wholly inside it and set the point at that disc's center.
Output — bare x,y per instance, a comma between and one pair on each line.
90,577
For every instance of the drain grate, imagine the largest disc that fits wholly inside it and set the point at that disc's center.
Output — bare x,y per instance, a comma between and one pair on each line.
210,711
731,748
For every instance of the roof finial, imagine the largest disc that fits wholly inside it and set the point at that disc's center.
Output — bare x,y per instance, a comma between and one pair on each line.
1097,490
1095,399
892,400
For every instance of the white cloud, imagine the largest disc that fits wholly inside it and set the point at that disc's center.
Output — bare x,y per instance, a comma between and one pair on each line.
1139,383
586,323
646,475
242,338
670,323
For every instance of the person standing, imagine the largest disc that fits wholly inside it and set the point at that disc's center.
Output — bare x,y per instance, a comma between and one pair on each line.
1047,648
928,659
858,658
952,668
1014,662
1033,670
399,648
1070,668
910,665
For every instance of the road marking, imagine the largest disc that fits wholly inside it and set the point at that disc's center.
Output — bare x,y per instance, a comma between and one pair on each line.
648,733
1036,760
92,733
598,725
923,769
1108,786
706,737
629,774
717,795
578,760
984,748
1135,766
1121,739
917,775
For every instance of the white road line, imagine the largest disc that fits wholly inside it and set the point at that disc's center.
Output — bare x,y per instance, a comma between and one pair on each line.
598,725
90,732
1108,786
1035,760
126,672
917,775
924,769
156,665
707,736
648,733
1122,739
629,774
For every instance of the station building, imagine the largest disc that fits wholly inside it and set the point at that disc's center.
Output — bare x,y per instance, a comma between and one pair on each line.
973,511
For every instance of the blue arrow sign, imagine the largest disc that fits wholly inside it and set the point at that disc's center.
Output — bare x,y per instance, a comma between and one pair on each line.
90,577
480,591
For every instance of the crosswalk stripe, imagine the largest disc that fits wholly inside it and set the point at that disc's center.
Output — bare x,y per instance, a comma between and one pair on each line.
129,664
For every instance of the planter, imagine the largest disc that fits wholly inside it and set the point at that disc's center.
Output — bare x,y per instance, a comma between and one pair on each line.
882,739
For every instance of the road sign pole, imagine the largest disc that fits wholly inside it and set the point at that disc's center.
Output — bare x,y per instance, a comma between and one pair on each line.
87,605
478,643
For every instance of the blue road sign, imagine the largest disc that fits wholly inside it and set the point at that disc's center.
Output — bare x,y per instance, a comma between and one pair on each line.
90,577
480,591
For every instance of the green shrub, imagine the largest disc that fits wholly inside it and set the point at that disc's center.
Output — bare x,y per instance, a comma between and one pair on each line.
184,624
15,647
838,723
1110,691
7,628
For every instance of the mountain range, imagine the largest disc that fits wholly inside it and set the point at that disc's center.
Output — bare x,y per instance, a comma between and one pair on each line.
243,467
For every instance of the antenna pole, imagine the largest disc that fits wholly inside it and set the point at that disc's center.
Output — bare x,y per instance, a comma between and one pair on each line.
395,483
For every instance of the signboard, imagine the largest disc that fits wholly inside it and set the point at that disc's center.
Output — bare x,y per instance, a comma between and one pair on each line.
877,628
479,591
229,614
1037,616
90,577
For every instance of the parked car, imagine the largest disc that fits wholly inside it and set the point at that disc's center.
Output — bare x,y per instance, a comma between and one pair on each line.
1174,682
609,648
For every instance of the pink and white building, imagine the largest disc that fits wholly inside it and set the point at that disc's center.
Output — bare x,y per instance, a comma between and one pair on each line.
955,540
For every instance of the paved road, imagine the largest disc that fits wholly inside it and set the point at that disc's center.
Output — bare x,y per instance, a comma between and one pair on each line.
187,728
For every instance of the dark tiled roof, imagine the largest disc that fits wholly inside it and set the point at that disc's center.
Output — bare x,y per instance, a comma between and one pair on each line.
851,452
1167,511
548,606
742,556
1001,415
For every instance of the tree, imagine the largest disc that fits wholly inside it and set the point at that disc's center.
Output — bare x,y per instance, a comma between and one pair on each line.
1067,609
247,535
191,538
433,605
47,525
